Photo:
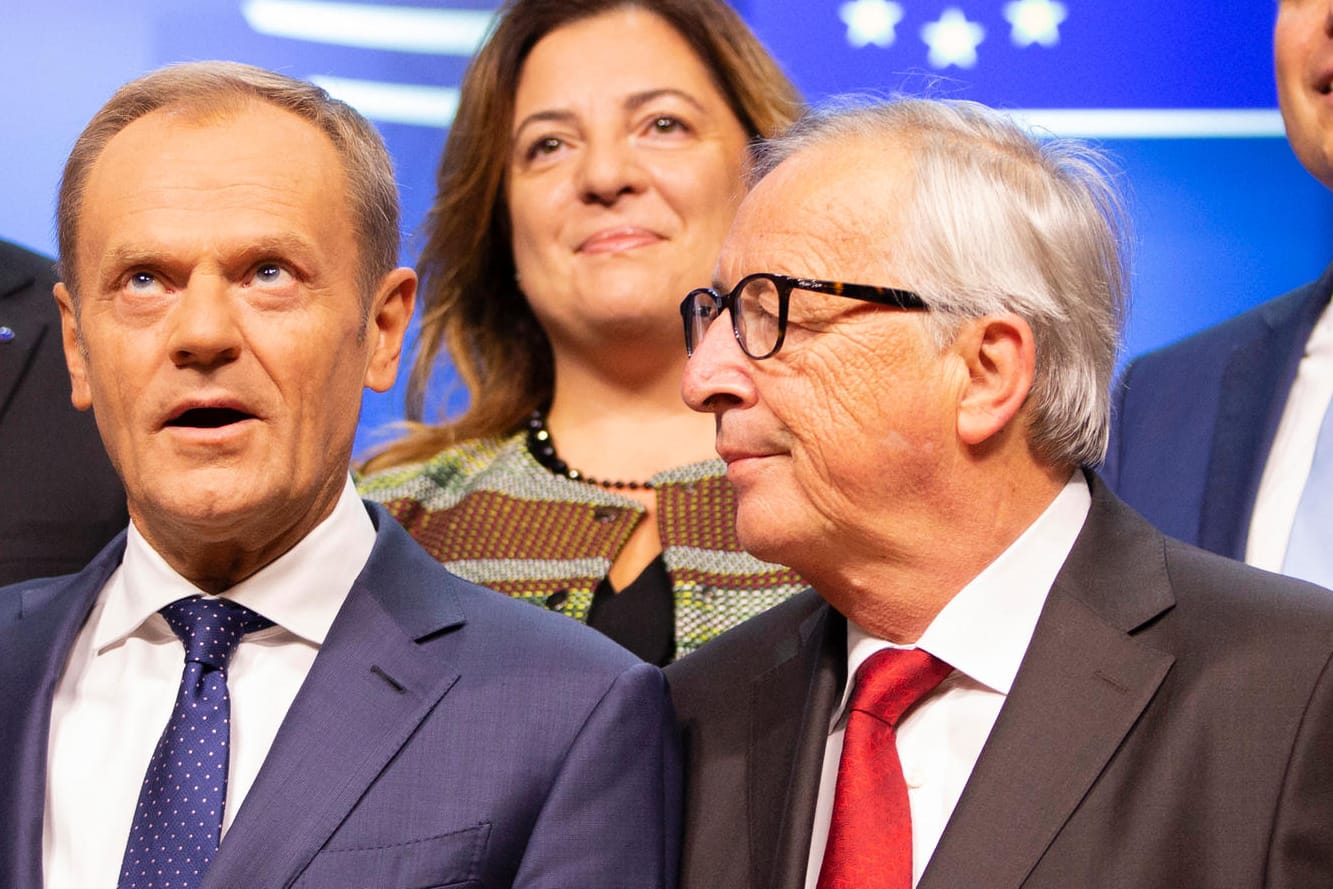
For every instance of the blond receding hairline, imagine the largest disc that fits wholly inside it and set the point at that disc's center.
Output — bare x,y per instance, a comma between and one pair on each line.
211,91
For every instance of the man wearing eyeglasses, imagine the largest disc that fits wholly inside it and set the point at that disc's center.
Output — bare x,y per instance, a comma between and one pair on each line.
1002,677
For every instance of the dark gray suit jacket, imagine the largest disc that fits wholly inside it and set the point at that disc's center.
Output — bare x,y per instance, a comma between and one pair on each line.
60,500
1171,726
446,735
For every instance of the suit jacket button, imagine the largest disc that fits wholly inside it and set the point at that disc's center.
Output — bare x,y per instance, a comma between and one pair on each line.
556,599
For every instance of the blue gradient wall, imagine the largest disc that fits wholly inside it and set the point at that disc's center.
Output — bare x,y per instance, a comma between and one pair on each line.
1180,93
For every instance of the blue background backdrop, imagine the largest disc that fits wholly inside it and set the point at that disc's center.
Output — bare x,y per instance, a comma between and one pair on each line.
1180,93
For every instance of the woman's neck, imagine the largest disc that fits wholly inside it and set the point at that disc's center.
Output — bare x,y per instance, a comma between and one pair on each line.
626,426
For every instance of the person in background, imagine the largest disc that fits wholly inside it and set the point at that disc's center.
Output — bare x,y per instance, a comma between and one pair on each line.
589,176
1003,677
60,501
1225,439
264,681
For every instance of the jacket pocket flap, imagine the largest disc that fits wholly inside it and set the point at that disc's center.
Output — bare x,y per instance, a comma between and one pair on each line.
452,859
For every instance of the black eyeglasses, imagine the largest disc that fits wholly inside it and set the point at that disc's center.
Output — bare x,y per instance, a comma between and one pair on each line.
758,305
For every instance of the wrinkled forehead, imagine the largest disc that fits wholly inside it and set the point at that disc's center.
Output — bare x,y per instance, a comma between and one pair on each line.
232,128
166,181
832,210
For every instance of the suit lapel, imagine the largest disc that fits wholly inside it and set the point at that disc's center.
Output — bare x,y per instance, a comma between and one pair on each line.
36,636
791,705
375,679
1082,685
1255,382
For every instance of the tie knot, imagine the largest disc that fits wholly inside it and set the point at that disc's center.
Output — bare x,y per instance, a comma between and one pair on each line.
211,628
892,680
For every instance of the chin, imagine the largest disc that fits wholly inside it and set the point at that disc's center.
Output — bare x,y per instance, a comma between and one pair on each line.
205,499
764,540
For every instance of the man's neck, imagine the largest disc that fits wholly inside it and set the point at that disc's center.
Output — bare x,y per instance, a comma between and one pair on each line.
897,598
215,556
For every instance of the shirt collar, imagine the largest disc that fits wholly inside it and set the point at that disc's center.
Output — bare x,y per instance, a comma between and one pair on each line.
300,591
984,630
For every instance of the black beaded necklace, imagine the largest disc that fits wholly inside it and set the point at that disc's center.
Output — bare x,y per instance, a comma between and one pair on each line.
542,448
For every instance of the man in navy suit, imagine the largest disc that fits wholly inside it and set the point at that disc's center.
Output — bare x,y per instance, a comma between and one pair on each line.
229,240
1213,437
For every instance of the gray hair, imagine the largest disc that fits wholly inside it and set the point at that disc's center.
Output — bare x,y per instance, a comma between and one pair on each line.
1000,221
213,90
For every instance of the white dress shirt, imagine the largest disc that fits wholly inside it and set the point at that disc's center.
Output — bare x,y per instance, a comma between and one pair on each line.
1288,464
983,633
121,679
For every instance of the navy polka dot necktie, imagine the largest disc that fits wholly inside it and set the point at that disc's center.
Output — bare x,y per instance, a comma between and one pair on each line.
178,823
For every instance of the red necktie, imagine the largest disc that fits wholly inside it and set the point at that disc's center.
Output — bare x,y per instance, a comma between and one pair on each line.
870,835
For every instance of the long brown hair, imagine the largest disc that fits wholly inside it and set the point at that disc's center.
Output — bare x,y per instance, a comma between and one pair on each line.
472,306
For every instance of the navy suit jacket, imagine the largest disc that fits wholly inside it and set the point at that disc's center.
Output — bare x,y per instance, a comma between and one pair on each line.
1192,423
1169,728
60,500
446,735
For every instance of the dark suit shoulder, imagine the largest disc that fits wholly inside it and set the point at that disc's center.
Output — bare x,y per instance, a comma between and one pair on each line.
76,590
1139,578
1172,707
1222,597
1204,352
738,647
17,599
719,667
60,501
26,274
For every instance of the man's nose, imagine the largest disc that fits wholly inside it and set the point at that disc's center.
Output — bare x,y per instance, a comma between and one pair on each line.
205,330
718,375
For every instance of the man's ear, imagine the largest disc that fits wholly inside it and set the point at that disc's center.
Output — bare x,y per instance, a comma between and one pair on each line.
1000,354
75,359
390,313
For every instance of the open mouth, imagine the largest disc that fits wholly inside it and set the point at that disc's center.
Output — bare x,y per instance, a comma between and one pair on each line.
209,418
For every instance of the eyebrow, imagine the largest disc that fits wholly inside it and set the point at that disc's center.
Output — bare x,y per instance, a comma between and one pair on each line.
633,102
124,257
638,100
285,244
111,265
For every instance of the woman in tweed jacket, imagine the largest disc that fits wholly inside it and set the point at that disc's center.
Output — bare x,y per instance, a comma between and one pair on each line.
589,176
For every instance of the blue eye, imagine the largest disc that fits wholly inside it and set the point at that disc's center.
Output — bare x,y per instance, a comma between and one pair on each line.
141,282
270,273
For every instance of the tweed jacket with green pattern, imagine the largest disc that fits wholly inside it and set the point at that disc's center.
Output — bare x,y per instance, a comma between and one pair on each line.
493,515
